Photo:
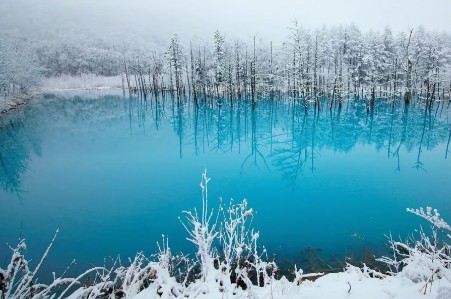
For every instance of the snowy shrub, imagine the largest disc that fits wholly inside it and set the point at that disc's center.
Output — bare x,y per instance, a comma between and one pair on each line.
19,281
422,257
227,247
163,275
158,275
202,233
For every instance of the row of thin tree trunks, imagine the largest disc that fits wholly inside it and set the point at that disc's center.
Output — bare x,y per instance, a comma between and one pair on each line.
309,90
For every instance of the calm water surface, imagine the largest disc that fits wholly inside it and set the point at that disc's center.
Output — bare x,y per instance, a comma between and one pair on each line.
114,173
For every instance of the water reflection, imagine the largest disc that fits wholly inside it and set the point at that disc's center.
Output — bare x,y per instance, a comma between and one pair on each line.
447,145
279,135
109,165
284,135
16,145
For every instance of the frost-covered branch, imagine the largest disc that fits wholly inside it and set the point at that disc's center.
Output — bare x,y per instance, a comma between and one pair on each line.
431,215
422,256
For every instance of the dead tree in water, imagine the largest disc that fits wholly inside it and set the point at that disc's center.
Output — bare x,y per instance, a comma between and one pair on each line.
219,62
253,78
156,69
315,66
176,62
193,80
408,94
374,66
127,75
237,70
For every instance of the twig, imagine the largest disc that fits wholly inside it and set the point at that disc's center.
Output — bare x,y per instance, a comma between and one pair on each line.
430,280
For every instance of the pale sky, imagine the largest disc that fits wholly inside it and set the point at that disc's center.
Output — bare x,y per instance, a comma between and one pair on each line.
268,19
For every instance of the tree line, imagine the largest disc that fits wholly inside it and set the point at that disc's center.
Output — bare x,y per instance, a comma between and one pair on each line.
329,62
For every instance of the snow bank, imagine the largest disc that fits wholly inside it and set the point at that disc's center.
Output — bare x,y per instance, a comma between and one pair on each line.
84,81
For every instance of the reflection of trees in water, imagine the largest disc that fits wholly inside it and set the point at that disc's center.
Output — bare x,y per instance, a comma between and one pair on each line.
283,134
17,141
279,133
221,120
65,112
447,145
258,140
418,164
179,121
20,133
291,138
290,154
157,111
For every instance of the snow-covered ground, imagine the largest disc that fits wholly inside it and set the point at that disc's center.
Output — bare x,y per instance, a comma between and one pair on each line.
350,284
84,81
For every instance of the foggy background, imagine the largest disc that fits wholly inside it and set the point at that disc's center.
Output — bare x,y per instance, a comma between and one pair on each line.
157,21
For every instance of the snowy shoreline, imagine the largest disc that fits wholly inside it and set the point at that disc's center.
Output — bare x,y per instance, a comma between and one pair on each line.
85,82
81,82
230,264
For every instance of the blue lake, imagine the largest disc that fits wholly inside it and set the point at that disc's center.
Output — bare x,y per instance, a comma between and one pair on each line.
115,173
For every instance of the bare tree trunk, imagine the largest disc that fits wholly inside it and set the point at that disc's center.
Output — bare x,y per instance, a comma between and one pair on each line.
271,79
315,88
253,78
127,76
395,79
245,76
237,66
193,80
123,83
408,94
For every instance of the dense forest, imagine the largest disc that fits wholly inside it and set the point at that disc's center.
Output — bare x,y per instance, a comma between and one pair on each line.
330,62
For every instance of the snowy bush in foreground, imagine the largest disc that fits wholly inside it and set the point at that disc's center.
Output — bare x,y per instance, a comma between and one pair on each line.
227,249
19,281
229,264
424,257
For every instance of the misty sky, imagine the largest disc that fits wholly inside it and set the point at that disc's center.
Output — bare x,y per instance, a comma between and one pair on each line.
268,19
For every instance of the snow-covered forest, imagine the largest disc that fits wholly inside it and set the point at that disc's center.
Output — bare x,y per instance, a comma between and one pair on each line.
330,62
20,69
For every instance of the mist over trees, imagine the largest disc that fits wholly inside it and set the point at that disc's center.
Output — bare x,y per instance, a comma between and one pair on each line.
328,62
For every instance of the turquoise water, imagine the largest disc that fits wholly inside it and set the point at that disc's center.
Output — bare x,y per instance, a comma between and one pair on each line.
114,173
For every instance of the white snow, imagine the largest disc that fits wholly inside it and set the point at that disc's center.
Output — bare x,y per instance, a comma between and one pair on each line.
84,81
349,284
